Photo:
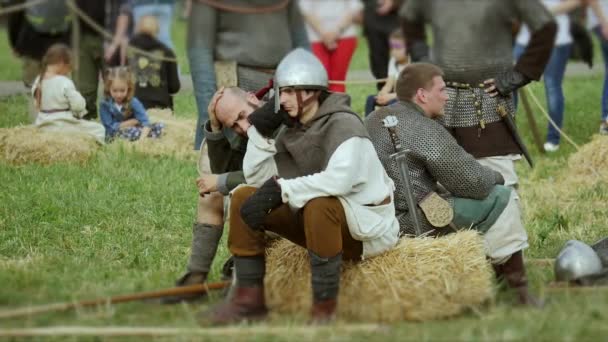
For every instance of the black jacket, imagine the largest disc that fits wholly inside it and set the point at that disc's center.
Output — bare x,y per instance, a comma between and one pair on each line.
155,80
26,41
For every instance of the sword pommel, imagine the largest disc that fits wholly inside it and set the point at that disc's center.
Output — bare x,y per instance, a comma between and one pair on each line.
390,121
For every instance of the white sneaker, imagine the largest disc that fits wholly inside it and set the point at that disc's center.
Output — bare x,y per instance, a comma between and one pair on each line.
604,127
551,147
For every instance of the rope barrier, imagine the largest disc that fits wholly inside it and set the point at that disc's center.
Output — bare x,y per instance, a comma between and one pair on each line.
20,7
109,36
379,80
548,117
567,137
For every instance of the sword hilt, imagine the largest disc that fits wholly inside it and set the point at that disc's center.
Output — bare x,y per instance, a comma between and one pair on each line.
390,123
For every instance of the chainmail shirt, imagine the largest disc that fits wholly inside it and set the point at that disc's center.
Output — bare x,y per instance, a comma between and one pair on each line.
435,157
472,42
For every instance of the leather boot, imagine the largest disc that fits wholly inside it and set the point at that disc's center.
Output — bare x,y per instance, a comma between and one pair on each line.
323,311
246,304
513,272
247,300
205,240
325,277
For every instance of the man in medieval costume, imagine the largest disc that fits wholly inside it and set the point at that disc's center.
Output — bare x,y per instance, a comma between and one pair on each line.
473,46
451,189
304,188
238,43
229,45
221,170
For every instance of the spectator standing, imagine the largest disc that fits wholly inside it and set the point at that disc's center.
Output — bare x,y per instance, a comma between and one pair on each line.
249,37
379,20
555,70
332,34
156,80
31,34
112,15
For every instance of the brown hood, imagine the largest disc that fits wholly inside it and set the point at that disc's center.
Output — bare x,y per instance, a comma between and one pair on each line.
334,103
306,149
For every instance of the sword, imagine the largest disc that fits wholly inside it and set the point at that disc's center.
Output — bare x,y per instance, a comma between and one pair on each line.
508,120
400,157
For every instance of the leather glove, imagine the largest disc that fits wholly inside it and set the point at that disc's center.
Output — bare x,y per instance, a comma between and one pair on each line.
498,178
419,51
265,120
261,203
507,83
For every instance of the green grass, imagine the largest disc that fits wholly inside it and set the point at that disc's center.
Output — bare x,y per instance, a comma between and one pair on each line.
122,223
10,66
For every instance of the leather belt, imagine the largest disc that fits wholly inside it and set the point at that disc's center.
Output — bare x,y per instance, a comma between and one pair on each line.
51,111
385,201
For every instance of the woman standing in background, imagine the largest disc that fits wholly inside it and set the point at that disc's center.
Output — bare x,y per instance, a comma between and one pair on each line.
330,25
556,67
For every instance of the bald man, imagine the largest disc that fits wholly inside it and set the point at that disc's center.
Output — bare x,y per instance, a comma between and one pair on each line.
222,171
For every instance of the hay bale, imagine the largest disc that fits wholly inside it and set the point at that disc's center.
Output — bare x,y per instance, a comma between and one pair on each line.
591,158
27,144
420,279
177,139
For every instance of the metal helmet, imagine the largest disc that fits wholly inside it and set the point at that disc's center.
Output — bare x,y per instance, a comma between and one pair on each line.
576,260
299,69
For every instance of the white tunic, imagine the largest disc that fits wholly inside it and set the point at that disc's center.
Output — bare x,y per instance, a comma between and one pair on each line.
59,93
330,13
562,37
593,20
353,174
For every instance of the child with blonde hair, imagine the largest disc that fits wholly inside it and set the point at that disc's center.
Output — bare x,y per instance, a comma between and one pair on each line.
156,79
60,106
122,114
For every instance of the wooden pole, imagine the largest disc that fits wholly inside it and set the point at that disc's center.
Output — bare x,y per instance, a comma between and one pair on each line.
175,291
75,41
296,332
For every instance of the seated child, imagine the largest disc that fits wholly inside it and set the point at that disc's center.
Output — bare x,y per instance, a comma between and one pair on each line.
155,80
59,105
121,113
398,61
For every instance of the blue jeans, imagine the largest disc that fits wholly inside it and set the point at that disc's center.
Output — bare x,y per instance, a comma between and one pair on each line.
604,48
164,15
553,77
370,104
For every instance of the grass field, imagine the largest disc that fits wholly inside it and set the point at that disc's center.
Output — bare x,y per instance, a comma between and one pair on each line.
122,223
